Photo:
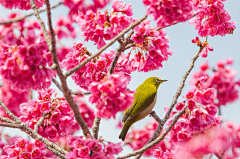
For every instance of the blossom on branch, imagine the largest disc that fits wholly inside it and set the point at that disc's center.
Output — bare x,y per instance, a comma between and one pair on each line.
153,46
211,18
91,149
111,95
22,4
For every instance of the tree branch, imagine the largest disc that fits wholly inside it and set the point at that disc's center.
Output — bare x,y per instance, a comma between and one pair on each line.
6,119
156,117
52,47
175,98
23,127
28,15
39,123
160,138
68,73
15,118
95,127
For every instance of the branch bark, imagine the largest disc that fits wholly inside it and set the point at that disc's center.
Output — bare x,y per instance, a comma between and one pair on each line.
68,73
39,123
152,141
28,15
17,123
52,47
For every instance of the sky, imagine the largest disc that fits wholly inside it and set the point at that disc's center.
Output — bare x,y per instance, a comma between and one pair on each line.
172,70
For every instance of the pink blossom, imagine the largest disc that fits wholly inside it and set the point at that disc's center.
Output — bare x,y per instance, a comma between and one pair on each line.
120,6
23,5
113,88
209,95
168,12
217,23
158,153
180,105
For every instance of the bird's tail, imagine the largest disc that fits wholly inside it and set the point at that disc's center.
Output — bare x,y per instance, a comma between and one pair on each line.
124,131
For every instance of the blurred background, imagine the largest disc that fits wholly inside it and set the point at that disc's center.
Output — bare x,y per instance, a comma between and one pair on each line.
172,70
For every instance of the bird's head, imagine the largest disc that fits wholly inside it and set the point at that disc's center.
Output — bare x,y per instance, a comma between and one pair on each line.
155,81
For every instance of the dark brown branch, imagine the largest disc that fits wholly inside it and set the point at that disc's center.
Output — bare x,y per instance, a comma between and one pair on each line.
28,15
39,123
156,117
105,46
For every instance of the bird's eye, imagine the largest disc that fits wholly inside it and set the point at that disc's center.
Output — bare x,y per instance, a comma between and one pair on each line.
157,80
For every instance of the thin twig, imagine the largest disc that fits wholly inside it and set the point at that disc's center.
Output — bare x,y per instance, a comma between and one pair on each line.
175,98
28,15
57,84
15,118
6,120
156,117
68,73
39,123
23,127
95,127
80,93
158,139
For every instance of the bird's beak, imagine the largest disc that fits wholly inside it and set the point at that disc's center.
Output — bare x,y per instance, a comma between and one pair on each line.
164,80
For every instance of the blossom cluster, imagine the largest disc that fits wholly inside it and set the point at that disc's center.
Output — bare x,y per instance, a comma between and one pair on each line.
223,79
99,26
168,12
6,140
23,4
91,149
25,66
96,69
211,18
82,6
159,153
221,141
12,99
59,117
199,116
155,45
136,139
204,44
111,95
14,33
86,112
65,28
23,148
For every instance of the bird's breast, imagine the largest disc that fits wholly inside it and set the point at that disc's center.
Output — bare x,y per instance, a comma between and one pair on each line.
149,109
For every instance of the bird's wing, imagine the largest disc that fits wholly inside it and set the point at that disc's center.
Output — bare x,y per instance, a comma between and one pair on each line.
145,96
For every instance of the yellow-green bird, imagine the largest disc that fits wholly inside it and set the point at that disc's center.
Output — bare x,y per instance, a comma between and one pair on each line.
145,100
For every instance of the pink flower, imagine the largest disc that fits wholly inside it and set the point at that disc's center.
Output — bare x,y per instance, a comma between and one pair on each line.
207,47
198,96
84,151
190,95
180,105
191,104
209,95
120,6
158,153
45,107
51,131
36,153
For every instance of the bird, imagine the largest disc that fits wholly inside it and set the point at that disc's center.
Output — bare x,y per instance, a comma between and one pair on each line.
145,100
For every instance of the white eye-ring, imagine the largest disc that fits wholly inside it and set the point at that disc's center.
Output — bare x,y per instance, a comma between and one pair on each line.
157,80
